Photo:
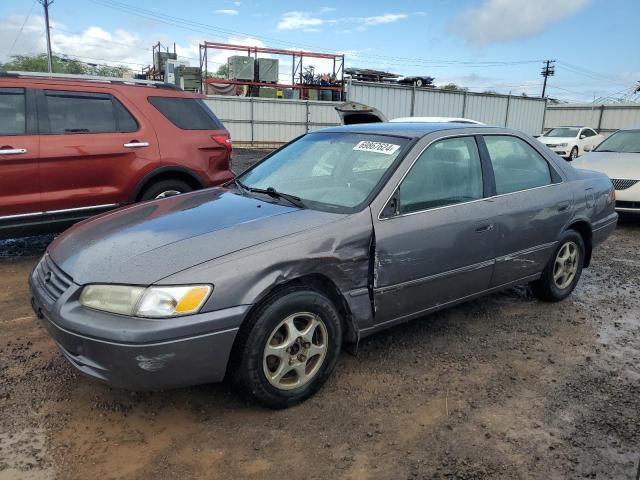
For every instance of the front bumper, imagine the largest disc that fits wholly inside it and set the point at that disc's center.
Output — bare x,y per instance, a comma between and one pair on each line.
138,354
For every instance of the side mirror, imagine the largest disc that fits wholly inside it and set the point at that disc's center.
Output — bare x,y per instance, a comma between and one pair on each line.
587,148
393,207
582,137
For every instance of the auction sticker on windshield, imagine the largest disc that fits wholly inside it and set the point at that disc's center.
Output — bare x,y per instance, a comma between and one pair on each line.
376,147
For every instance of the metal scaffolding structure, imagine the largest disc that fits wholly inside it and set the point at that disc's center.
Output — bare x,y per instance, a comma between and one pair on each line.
299,79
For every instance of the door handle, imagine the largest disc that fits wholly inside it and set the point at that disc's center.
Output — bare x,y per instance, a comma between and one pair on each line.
13,151
484,228
136,144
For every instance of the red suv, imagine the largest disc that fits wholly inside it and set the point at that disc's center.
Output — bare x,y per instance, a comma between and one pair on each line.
71,148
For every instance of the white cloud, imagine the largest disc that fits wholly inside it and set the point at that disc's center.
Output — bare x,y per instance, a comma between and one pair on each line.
227,11
382,19
298,20
504,20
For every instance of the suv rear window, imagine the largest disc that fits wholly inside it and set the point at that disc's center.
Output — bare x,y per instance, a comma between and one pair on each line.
12,111
187,113
81,112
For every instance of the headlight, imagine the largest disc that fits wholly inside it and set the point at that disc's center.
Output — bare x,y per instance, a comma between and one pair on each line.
152,302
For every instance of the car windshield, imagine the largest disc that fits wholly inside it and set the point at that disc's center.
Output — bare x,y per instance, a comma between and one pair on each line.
562,132
626,141
328,171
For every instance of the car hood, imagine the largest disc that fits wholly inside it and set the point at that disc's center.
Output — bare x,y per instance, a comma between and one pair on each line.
146,242
556,140
615,165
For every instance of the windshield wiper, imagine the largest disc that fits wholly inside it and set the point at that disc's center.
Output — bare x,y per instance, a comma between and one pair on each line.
272,192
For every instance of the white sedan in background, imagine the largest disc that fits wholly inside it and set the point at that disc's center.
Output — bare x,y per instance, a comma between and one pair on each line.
570,142
619,157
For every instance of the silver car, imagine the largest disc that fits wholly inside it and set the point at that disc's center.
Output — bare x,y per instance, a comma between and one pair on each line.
339,234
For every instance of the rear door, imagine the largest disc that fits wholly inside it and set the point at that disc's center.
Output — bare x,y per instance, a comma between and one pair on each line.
19,152
92,146
436,239
532,207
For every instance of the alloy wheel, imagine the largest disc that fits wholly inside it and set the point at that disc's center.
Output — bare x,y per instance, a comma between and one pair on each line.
168,193
565,265
295,351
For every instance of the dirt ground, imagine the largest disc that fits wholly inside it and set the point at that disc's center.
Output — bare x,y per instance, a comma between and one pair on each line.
502,387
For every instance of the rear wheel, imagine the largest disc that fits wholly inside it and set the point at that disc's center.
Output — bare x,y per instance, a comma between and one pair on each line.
563,271
289,349
164,189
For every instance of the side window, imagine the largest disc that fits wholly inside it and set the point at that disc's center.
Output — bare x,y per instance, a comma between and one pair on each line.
516,165
12,111
80,112
448,172
187,113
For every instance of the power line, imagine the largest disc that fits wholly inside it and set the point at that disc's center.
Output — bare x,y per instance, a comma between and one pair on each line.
21,28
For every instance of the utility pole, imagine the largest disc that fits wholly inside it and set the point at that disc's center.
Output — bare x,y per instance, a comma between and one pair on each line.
45,4
548,70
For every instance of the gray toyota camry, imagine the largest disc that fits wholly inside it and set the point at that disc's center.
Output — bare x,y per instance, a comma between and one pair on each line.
341,233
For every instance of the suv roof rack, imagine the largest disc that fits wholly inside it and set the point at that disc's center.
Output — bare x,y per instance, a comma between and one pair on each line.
92,78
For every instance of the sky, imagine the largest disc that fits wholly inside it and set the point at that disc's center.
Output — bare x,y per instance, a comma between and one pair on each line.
483,45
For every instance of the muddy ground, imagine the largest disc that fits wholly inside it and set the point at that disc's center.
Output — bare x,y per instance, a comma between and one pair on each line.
502,387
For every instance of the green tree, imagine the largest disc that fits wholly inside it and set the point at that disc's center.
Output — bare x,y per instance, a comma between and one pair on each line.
38,63
222,72
452,87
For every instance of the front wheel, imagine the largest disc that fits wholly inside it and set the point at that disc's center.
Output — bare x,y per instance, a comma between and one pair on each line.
563,271
289,349
574,153
164,189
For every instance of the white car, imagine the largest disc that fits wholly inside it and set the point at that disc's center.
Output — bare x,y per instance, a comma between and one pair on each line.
435,120
619,157
570,142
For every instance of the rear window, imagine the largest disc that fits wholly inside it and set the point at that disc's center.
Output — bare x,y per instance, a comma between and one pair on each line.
12,111
187,113
81,112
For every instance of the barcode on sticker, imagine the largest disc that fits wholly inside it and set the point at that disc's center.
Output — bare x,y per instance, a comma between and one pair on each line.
376,147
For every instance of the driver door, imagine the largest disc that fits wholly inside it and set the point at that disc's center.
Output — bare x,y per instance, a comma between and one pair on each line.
436,240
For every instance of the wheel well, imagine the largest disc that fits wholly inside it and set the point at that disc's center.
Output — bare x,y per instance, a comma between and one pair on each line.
321,284
183,176
584,229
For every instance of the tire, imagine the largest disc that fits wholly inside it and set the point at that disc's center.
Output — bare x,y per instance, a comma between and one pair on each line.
418,82
269,327
165,188
552,289
574,154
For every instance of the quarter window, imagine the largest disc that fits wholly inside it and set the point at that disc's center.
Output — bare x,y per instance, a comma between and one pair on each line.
448,172
516,165
187,113
12,111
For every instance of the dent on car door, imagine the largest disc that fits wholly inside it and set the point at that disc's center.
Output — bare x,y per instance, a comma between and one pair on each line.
435,240
92,147
532,207
19,152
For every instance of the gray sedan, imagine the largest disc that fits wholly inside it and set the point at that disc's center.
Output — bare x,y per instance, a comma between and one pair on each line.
339,234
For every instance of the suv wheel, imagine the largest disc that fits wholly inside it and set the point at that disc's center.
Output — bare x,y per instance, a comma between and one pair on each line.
289,349
563,271
164,189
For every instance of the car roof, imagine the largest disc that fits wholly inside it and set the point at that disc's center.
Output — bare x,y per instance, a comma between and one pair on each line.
407,129
435,120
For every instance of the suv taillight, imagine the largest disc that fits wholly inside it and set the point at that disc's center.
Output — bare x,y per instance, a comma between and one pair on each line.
223,140
612,196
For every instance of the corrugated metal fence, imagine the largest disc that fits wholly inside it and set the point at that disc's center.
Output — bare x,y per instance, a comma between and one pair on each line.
604,118
262,121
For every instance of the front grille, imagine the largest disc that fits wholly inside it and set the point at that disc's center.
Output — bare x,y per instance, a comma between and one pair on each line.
622,184
624,204
51,279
